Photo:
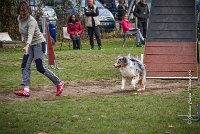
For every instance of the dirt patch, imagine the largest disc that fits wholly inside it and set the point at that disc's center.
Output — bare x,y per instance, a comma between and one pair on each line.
99,88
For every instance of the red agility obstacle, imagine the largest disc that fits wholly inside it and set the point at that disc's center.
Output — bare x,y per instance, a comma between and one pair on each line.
50,51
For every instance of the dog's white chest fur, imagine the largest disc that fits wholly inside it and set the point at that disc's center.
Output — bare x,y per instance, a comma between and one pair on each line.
128,71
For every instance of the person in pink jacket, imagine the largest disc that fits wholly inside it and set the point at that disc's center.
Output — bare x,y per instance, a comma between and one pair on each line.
129,30
74,28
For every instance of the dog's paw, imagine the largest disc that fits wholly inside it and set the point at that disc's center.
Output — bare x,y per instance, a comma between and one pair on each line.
122,86
141,89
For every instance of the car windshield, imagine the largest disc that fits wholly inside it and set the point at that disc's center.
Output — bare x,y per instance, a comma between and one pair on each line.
75,3
83,3
98,4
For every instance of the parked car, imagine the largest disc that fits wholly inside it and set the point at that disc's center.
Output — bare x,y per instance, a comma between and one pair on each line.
107,20
44,11
49,12
40,10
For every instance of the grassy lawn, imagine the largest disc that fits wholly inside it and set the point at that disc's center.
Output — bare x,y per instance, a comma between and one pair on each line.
150,113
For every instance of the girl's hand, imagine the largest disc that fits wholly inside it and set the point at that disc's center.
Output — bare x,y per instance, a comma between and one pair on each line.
26,49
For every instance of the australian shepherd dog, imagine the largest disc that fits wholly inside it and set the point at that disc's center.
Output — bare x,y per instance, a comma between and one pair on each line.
131,68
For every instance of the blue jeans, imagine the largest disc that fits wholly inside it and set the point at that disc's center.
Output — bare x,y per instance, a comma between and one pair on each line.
137,34
91,32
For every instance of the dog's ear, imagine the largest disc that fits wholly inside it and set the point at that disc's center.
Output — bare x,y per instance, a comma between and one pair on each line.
125,60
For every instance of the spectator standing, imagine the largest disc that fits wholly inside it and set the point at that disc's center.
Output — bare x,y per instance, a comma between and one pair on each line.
129,30
121,8
198,5
141,11
110,5
34,49
74,28
92,23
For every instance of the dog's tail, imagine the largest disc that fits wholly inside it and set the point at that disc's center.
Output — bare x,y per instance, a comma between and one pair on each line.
143,73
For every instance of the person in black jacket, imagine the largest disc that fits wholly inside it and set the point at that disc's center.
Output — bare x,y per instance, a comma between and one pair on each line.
141,11
121,8
110,5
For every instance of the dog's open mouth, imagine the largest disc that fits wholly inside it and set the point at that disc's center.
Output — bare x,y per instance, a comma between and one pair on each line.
118,66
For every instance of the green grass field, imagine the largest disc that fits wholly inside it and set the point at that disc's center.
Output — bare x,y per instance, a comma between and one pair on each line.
146,113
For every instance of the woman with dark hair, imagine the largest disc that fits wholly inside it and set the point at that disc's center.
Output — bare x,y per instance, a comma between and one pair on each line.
34,49
74,28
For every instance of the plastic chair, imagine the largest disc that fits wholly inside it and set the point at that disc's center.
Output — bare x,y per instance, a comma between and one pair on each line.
65,36
125,36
